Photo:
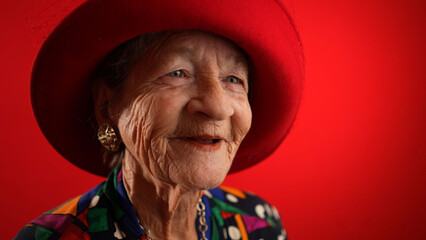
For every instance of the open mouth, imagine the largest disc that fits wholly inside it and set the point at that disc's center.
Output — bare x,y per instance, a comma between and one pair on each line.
204,141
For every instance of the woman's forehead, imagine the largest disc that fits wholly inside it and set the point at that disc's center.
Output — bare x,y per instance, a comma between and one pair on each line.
190,44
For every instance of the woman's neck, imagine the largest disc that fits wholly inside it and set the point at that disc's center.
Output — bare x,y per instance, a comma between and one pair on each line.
167,210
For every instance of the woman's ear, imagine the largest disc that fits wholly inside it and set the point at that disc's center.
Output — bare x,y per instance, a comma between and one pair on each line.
102,96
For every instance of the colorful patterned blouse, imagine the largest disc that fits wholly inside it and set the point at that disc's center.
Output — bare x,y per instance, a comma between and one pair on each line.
105,212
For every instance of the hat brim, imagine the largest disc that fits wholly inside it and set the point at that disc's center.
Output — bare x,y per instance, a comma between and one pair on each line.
60,86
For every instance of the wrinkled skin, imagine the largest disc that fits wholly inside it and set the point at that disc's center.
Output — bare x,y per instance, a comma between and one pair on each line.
193,89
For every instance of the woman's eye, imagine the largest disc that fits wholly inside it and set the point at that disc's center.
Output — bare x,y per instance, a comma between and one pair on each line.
233,79
177,73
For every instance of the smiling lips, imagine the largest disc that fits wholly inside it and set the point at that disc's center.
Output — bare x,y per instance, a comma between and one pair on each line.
205,143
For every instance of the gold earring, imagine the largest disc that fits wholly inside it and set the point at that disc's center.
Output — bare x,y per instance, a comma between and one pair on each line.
108,138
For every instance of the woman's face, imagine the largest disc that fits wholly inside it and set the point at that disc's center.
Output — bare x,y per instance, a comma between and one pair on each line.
183,111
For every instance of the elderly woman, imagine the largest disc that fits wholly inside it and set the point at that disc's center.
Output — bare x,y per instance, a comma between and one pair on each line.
173,88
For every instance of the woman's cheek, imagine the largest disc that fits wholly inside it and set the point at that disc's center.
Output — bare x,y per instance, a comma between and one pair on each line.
164,117
145,126
241,123
242,116
135,125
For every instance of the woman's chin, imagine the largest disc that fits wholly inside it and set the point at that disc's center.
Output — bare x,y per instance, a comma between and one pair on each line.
209,183
198,169
202,178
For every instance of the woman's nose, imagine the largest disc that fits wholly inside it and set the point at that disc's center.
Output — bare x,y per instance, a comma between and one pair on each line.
211,100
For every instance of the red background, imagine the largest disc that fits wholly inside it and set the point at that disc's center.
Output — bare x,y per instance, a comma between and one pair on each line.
353,166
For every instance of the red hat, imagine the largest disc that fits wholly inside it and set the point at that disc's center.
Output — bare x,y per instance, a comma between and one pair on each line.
60,87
